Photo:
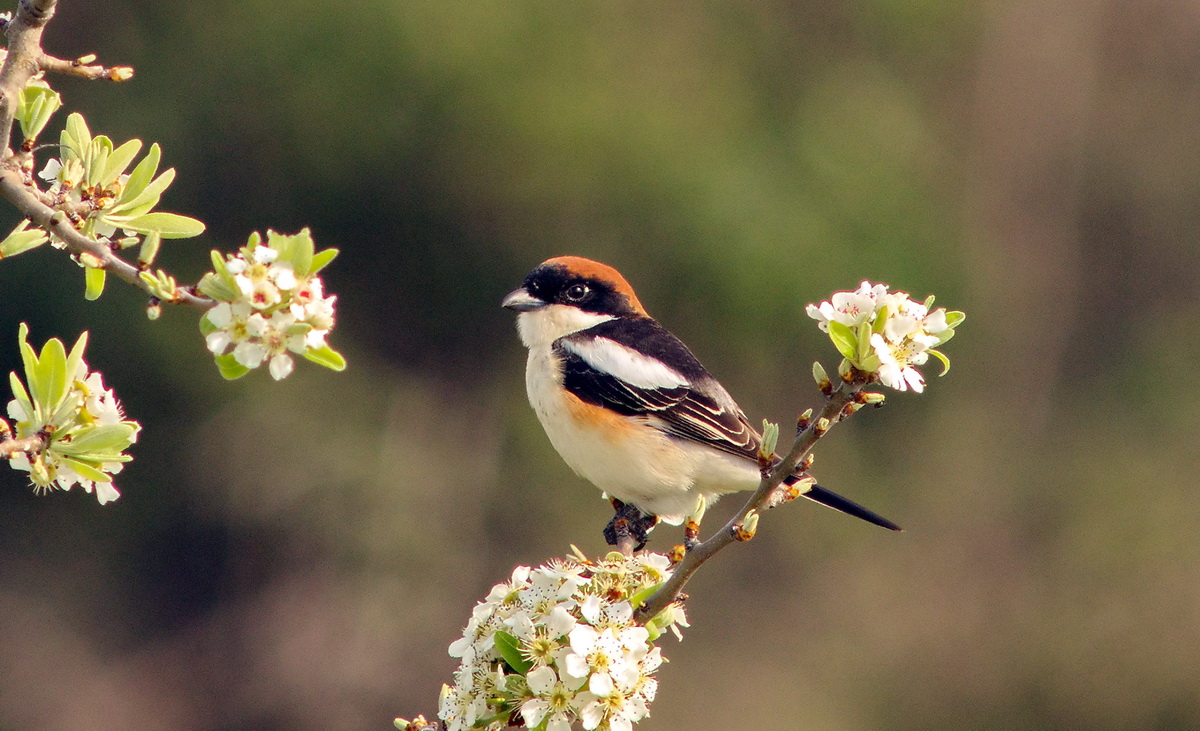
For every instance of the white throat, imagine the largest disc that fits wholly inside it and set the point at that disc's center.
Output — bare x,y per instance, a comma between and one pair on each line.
540,328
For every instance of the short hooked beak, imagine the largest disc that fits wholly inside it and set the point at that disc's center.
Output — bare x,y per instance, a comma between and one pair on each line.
521,301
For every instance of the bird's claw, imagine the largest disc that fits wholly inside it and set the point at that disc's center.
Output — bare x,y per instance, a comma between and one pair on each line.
629,528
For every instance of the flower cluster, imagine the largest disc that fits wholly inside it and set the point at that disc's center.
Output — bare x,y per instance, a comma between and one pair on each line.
886,334
558,643
270,304
82,423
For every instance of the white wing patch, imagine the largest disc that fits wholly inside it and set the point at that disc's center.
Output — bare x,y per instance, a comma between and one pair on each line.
639,371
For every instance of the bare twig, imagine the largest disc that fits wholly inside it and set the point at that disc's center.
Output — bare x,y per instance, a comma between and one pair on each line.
85,69
762,499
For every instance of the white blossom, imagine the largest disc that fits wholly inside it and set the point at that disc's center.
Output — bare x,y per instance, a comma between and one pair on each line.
582,656
886,334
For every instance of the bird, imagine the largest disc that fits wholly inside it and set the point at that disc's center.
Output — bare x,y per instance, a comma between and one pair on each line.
630,408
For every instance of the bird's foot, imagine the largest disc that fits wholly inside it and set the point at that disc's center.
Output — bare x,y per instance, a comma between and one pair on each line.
691,534
629,528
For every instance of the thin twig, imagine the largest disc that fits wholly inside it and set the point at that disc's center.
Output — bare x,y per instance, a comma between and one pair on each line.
760,501
9,447
84,69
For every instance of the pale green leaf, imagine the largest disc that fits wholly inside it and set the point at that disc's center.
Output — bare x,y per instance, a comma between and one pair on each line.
93,282
168,225
101,441
118,160
844,340
509,648
230,369
79,136
50,382
76,355
321,260
19,392
29,357
942,357
22,239
136,205
142,173
87,471
880,319
327,357
219,288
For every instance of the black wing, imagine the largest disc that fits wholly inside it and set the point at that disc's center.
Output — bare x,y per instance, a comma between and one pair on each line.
638,368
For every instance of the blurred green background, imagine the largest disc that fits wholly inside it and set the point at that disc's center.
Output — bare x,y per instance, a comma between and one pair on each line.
299,555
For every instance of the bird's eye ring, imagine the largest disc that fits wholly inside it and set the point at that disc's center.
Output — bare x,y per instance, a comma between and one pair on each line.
577,292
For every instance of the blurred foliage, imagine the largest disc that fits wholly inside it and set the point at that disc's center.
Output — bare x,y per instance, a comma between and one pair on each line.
299,555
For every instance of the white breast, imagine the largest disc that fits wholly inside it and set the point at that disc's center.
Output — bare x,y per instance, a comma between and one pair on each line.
644,467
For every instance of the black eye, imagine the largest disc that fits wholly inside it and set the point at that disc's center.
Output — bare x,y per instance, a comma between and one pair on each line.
576,292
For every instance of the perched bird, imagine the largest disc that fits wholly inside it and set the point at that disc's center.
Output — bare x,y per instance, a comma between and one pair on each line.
629,407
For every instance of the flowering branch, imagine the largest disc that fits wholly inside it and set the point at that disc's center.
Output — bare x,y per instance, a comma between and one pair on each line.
95,254
265,302
573,641
840,404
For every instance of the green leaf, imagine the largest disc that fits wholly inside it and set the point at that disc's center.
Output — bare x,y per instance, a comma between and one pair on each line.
321,260
79,136
301,254
51,380
19,392
22,239
864,338
880,319
87,471
102,441
942,357
944,337
219,288
640,598
144,202
206,325
97,161
168,225
819,374
143,173
327,357
29,358
230,369
510,649
118,160
954,318
35,105
93,283
149,248
844,340
76,355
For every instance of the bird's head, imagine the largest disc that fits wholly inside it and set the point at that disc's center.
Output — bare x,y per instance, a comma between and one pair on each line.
567,294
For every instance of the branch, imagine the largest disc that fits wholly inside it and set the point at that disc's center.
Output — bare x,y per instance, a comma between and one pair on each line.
27,201
10,446
23,60
837,406
84,68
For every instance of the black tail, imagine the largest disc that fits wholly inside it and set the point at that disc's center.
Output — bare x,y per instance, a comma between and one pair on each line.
816,493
